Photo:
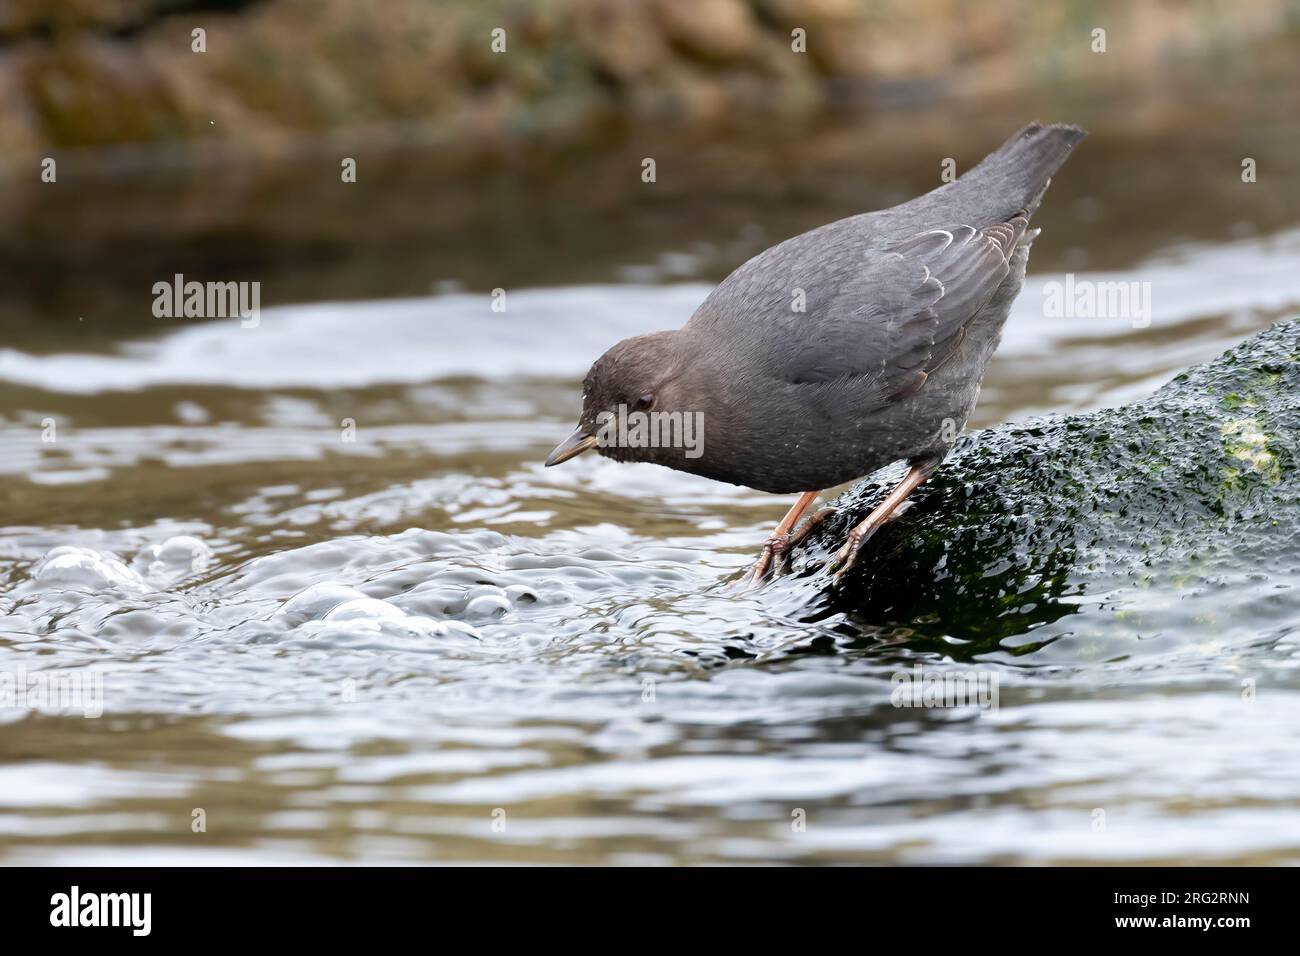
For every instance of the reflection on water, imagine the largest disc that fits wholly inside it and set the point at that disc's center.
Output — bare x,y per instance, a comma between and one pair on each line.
338,606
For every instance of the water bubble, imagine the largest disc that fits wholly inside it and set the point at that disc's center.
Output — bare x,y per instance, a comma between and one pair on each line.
364,608
74,567
313,603
463,628
175,558
488,605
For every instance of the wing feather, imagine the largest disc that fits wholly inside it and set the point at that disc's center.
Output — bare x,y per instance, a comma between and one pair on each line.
902,314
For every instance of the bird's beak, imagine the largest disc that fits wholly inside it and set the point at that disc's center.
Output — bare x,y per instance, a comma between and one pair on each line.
571,447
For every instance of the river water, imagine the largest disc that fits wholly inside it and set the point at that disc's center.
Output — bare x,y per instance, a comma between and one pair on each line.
333,608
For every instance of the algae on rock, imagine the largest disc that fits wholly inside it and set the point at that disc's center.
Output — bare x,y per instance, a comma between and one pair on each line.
1168,525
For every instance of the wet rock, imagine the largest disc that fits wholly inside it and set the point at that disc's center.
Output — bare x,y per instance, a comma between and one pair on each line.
1165,516
715,30
836,35
620,36
78,73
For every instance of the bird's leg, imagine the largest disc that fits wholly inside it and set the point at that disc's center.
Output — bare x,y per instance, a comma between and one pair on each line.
796,538
779,542
919,470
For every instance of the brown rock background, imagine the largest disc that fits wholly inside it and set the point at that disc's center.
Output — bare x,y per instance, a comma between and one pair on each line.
78,74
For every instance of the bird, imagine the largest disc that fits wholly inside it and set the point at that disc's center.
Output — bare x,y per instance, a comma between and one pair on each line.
835,353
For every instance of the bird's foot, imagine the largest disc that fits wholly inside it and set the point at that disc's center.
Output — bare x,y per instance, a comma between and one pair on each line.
776,550
846,558
758,570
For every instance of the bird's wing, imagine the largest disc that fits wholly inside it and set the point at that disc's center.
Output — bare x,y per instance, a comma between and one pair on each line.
902,313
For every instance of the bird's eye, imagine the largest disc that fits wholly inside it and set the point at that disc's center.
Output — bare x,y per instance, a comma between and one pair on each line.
644,402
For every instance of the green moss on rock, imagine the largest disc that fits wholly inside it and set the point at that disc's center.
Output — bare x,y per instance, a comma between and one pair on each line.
1122,530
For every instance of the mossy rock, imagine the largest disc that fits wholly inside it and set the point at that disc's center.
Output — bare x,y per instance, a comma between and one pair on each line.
1169,525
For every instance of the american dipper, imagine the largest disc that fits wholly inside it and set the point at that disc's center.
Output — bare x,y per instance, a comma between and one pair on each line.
837,352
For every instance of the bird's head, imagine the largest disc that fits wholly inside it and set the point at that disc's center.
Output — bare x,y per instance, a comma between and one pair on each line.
641,401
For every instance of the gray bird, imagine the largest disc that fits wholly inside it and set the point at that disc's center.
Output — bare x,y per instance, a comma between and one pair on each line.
837,352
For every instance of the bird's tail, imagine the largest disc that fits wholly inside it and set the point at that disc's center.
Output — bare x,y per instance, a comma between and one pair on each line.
1017,173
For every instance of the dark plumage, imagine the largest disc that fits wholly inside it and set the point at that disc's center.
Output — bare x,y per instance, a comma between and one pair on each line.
903,308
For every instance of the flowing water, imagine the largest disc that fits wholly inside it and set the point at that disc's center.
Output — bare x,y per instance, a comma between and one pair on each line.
322,602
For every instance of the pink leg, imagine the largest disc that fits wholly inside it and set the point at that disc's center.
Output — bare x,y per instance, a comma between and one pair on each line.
847,556
779,541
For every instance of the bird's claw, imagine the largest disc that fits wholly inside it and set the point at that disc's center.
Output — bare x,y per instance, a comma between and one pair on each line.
776,551
846,558
842,564
773,556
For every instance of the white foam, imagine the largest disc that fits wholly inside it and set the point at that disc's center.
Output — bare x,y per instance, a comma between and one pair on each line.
544,332
556,332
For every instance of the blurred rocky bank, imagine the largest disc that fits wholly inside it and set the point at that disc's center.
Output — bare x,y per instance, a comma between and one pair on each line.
273,74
